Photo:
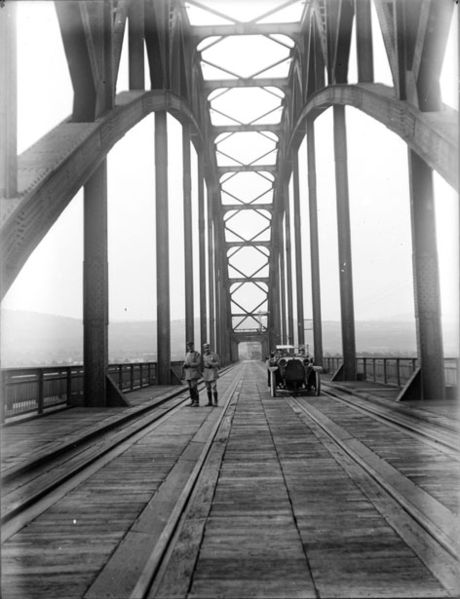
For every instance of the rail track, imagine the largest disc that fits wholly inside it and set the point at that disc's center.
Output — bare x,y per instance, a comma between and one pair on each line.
152,537
443,434
29,489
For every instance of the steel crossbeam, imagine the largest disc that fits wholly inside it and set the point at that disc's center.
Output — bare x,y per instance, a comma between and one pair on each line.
309,75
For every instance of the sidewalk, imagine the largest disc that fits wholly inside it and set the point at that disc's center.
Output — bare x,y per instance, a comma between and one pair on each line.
444,412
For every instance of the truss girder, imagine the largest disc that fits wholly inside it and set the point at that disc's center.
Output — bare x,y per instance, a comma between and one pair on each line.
51,172
87,34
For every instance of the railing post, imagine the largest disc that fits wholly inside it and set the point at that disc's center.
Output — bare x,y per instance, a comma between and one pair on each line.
365,369
385,371
132,377
4,397
40,391
398,372
69,384
120,377
373,370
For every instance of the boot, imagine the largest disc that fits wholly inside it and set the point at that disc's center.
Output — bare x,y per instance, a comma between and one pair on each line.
196,398
215,399
209,398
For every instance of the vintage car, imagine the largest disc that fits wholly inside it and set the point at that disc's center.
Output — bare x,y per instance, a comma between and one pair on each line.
290,370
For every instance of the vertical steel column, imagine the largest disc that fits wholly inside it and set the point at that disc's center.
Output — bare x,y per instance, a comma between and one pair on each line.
273,292
136,45
314,244
221,283
108,79
288,273
162,247
344,239
211,268
95,289
8,103
281,266
188,244
202,251
217,277
364,50
426,279
298,253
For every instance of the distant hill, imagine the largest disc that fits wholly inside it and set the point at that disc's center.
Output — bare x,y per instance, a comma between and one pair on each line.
29,339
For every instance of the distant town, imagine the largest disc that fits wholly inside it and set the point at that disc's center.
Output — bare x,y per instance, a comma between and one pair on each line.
33,339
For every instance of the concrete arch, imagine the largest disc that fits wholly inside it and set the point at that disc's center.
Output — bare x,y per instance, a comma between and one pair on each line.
52,171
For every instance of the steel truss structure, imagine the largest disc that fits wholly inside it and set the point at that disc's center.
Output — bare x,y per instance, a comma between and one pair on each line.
310,76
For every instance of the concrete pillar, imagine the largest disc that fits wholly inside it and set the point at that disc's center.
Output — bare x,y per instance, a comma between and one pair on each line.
298,253
8,101
136,45
95,289
314,245
162,247
364,50
426,279
288,273
202,251
188,244
344,239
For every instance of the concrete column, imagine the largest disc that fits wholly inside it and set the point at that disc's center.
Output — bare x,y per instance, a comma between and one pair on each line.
136,45
188,244
288,273
202,251
162,232
426,279
344,239
364,50
8,101
314,245
298,253
95,289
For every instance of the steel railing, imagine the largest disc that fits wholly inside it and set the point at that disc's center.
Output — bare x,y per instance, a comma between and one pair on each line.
28,391
390,370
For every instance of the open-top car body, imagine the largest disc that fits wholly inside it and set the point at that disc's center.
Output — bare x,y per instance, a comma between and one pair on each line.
292,371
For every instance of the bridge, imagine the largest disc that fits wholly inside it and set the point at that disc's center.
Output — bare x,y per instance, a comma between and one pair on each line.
238,93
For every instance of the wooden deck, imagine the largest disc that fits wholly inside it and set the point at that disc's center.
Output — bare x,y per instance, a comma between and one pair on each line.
278,510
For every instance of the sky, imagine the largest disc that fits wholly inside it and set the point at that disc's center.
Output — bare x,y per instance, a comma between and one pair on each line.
51,280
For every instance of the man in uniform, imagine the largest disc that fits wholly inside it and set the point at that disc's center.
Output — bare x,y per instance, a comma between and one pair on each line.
211,365
191,370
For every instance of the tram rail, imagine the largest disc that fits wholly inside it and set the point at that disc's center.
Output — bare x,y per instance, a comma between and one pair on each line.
30,488
164,550
440,434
